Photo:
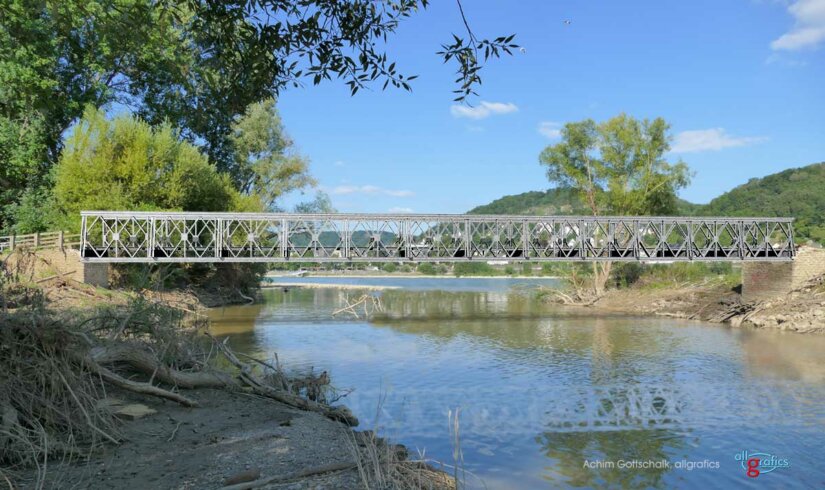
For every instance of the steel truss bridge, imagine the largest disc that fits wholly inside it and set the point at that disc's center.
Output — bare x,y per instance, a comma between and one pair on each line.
123,236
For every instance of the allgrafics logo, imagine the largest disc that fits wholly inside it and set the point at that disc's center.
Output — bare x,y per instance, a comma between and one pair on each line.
757,463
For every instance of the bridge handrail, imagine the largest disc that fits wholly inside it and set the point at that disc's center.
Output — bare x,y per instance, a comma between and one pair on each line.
433,217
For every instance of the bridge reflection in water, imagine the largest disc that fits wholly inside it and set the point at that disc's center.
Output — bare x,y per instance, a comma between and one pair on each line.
115,236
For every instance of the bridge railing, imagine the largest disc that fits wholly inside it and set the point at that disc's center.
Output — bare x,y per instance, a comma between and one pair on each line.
247,237
37,241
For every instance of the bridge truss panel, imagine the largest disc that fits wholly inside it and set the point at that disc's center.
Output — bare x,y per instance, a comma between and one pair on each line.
108,236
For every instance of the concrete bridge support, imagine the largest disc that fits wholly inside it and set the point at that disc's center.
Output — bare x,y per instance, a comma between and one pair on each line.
767,280
95,274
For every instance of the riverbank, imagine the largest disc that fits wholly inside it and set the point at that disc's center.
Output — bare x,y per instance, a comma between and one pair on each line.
409,275
801,311
234,440
144,400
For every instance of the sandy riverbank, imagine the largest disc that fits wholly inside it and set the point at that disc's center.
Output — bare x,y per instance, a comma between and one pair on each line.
232,438
801,311
218,437
404,276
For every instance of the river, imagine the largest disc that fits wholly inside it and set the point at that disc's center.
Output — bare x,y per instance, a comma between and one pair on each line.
550,397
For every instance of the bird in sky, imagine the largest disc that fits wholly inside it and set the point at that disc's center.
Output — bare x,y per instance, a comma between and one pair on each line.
567,22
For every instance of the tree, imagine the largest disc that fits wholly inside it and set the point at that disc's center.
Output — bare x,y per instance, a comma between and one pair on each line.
266,162
619,167
320,205
127,164
195,64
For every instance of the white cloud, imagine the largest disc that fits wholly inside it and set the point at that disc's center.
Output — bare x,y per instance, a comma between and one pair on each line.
710,140
550,129
400,210
483,109
808,30
370,189
338,163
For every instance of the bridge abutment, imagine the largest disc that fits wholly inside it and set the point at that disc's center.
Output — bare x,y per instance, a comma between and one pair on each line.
94,274
767,280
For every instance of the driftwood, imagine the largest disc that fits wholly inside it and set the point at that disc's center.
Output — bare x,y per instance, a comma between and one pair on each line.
143,362
138,387
368,301
260,387
320,470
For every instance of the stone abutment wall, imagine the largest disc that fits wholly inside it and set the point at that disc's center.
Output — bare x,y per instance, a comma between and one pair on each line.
766,280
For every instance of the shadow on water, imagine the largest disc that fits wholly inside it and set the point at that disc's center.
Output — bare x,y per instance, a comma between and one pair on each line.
543,389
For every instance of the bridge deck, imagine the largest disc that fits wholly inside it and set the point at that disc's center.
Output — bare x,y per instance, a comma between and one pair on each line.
108,236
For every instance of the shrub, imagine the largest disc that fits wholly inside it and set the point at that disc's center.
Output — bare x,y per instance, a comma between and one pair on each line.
125,163
426,269
473,269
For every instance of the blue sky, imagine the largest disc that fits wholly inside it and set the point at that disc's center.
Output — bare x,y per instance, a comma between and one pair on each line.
741,81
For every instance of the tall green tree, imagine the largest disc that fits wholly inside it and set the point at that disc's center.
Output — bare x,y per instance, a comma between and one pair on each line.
125,163
618,167
267,163
196,64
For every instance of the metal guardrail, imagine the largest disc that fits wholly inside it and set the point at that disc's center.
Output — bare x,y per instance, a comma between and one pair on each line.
122,236
39,241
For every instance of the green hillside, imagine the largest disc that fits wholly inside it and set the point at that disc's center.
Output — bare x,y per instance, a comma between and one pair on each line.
551,201
796,192
560,201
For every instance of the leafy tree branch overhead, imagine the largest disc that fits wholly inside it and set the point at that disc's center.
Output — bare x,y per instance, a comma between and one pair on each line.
194,64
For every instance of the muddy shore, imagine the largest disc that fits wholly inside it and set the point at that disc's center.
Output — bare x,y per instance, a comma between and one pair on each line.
232,438
801,311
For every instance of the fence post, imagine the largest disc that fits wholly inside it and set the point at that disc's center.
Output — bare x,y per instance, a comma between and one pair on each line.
11,242
60,240
37,239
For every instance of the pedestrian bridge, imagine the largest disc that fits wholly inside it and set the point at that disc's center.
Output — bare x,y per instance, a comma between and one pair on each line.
125,236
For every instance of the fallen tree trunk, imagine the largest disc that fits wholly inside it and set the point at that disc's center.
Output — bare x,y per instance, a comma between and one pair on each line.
340,413
309,472
144,362
136,386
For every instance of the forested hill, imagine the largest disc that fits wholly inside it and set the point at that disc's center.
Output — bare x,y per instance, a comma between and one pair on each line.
796,192
550,202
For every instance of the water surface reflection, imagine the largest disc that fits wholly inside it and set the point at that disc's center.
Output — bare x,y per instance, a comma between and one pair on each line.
543,390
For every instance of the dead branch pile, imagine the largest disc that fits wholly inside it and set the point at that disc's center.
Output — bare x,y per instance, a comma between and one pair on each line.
368,303
57,365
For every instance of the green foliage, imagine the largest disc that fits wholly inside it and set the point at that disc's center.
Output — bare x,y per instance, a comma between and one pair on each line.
550,202
796,192
473,269
195,65
126,164
509,270
617,166
22,163
659,276
321,204
389,267
35,211
426,268
265,160
526,269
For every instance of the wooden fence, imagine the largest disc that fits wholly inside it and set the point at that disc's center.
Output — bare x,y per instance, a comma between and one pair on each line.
48,240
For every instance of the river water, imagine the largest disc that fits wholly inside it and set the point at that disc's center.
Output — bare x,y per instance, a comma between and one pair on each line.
548,397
